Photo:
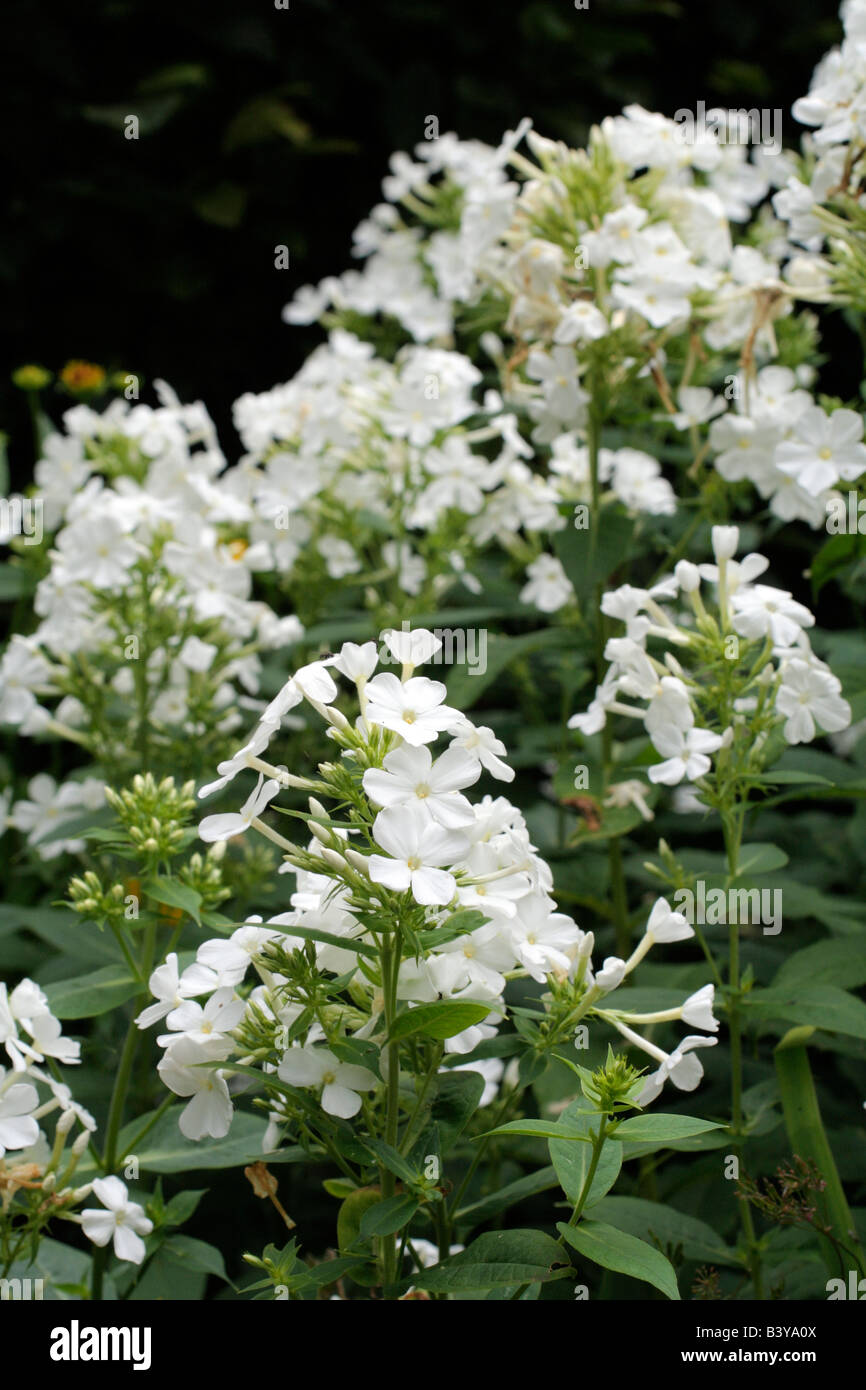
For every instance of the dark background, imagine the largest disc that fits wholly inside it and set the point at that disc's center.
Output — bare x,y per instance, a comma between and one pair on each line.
262,126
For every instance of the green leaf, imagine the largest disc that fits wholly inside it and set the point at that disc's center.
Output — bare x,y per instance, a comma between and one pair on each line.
391,1159
182,1206
165,1150
466,684
572,1161
656,1128
346,943
65,1271
457,1098
196,1254
589,559
174,894
508,1196
179,1271
650,1220
86,996
444,1019
389,1216
536,1129
840,963
760,859
836,555
498,1259
56,920
821,1006
625,1254
809,1140
349,1220
788,778
15,582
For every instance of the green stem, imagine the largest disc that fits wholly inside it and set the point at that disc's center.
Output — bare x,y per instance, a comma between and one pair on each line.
157,1115
425,1086
598,1141
118,1099
390,951
597,1146
617,878
733,832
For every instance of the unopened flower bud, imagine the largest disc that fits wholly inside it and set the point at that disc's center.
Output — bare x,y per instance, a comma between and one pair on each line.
358,861
688,576
725,542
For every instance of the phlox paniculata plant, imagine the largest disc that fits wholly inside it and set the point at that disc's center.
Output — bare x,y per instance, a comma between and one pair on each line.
414,908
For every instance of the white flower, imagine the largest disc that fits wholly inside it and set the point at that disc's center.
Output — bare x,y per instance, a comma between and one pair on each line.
413,709
824,449
340,1081
18,1129
22,671
167,988
225,961
409,775
680,1066
684,752
698,405
419,847
257,743
665,926
196,655
542,938
43,812
629,793
27,1006
697,1011
183,1069
316,682
357,663
808,695
339,556
611,975
222,1012
637,481
581,322
470,966
483,744
761,610
669,707
99,556
549,586
411,648
122,1221
223,827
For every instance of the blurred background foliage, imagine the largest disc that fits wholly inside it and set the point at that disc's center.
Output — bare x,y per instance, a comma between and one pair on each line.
262,126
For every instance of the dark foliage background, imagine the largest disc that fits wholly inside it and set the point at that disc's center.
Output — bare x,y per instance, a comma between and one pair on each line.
262,126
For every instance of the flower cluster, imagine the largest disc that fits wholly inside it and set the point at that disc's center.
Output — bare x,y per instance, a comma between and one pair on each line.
405,857
36,1175
148,635
743,666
